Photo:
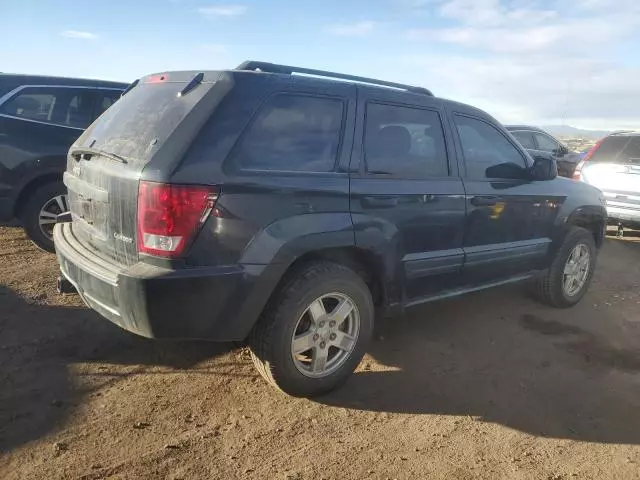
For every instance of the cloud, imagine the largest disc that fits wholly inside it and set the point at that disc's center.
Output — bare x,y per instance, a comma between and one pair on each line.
508,27
569,36
223,10
358,29
527,62
79,34
537,88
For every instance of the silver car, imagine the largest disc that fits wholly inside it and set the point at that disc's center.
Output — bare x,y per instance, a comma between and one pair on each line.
613,166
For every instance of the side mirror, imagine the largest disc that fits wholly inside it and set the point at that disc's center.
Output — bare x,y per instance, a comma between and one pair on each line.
544,168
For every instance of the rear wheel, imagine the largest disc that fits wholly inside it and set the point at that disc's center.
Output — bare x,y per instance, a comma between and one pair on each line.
571,272
314,333
40,212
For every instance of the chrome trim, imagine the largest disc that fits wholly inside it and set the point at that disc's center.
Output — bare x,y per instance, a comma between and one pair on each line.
87,190
106,307
4,115
8,96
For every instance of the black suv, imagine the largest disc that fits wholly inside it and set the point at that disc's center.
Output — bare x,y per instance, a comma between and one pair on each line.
540,144
40,117
286,209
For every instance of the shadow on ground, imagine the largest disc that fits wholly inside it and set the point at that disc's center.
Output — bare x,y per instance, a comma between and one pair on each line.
38,343
501,358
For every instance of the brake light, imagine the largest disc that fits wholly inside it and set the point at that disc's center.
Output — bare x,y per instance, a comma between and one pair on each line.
169,216
162,77
577,173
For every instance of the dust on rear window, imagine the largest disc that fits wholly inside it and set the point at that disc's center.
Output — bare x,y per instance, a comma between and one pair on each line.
150,112
618,149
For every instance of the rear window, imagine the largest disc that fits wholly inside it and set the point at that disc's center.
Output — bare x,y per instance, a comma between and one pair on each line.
618,149
148,113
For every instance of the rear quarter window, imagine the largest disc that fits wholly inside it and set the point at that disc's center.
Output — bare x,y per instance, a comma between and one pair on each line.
292,133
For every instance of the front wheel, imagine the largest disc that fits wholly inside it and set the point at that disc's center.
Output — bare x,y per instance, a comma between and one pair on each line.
315,331
571,271
40,212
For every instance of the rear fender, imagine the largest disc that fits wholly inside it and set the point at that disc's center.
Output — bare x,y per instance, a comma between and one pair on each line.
285,240
272,251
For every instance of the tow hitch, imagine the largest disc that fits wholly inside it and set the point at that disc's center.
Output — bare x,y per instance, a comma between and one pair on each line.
64,286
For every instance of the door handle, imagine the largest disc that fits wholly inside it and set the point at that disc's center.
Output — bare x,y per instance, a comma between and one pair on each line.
379,202
485,201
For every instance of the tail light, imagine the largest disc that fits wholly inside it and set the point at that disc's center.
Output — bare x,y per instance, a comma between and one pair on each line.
169,216
577,173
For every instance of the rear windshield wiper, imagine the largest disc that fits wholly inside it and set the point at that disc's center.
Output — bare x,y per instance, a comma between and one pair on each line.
94,151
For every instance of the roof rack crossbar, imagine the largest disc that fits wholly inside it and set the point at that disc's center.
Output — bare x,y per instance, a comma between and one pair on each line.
289,70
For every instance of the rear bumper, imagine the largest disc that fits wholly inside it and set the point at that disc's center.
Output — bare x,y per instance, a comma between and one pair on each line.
219,303
621,214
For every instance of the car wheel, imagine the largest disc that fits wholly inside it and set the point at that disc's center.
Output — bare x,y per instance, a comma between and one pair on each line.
571,271
315,331
40,212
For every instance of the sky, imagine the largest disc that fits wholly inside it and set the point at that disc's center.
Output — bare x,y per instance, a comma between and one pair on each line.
544,62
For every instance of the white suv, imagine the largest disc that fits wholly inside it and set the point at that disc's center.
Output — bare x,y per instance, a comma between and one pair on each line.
613,166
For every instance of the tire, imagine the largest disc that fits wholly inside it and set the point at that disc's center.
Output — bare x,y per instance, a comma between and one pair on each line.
291,311
550,289
30,215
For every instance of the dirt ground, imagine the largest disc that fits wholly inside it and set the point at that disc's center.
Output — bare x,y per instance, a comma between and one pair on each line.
489,386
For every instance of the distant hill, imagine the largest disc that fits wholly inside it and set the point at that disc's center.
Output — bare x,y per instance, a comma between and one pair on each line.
569,131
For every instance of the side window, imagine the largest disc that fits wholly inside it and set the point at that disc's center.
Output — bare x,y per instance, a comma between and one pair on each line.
525,139
32,104
79,112
546,143
61,106
404,142
292,133
487,152
106,98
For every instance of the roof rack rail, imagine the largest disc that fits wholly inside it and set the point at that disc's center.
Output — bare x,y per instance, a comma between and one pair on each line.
289,70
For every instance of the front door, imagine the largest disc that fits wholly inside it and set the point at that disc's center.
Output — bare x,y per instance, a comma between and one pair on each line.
407,200
509,217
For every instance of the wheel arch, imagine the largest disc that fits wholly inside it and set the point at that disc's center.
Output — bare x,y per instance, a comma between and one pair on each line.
31,186
593,219
365,263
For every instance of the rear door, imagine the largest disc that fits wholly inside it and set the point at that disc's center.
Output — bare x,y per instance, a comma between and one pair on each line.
509,217
38,124
151,124
407,200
